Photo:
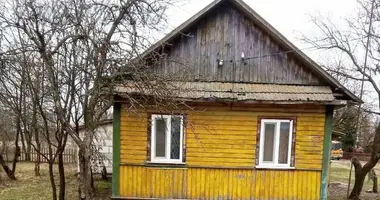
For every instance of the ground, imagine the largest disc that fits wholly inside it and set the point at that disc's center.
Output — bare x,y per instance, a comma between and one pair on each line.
29,187
339,181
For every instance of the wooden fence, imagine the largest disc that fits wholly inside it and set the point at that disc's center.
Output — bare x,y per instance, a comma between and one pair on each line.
69,155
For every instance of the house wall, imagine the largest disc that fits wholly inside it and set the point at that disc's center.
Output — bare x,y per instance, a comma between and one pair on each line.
103,142
224,34
220,156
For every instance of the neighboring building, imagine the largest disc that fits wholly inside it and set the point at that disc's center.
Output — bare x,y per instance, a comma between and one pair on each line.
261,122
103,145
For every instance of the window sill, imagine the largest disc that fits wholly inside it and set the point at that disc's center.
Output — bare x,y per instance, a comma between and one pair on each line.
274,167
165,164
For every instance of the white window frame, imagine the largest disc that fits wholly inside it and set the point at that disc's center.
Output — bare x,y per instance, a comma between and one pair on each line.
275,164
167,158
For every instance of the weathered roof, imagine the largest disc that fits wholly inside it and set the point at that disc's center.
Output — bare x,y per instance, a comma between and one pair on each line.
271,31
236,91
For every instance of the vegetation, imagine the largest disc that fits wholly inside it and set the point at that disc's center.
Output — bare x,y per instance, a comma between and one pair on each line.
29,187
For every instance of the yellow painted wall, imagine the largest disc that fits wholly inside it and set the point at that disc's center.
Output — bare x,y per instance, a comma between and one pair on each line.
203,183
224,137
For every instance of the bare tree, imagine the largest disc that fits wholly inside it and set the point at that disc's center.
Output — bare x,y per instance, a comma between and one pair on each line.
8,135
85,49
11,97
358,46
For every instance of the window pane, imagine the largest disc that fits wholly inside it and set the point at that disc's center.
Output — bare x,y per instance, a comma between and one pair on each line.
175,136
160,137
269,130
284,143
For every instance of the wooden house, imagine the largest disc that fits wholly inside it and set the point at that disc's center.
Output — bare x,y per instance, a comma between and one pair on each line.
261,119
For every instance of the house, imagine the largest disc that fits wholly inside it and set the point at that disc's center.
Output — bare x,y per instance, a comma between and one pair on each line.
260,122
103,144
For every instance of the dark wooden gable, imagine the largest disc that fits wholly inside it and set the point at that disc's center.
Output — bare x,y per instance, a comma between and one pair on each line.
225,33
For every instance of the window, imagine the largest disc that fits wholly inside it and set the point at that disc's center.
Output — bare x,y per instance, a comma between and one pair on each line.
167,139
275,143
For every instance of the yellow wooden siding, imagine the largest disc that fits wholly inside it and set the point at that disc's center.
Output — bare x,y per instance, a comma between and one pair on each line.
228,138
204,183
221,136
224,137
133,137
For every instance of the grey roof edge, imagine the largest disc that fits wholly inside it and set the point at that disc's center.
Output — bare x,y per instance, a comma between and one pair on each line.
270,30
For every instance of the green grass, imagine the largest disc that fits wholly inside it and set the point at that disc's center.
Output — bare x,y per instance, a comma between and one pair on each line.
103,185
339,174
29,187
340,171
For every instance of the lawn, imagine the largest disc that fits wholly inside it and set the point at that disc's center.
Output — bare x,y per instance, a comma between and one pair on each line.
28,186
339,176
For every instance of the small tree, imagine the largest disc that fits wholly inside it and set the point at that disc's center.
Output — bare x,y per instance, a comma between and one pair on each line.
342,122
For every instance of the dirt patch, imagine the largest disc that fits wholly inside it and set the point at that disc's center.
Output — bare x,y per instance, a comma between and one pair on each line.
338,191
339,174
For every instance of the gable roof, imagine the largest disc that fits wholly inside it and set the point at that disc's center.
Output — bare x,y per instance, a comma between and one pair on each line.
273,33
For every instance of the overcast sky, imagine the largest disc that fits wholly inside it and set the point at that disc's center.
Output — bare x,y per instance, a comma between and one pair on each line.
290,17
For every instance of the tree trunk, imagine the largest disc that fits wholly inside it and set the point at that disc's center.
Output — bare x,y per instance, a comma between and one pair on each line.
27,157
38,160
62,181
7,170
358,185
28,150
374,180
15,158
37,166
92,178
52,183
360,174
85,189
104,173
361,171
37,140
11,172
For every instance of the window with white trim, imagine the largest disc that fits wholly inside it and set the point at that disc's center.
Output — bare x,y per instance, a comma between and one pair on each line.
167,138
275,143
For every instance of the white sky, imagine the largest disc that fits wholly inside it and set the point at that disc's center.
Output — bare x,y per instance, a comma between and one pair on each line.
290,17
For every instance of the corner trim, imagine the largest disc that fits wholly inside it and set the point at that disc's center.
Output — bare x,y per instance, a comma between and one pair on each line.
326,152
116,150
